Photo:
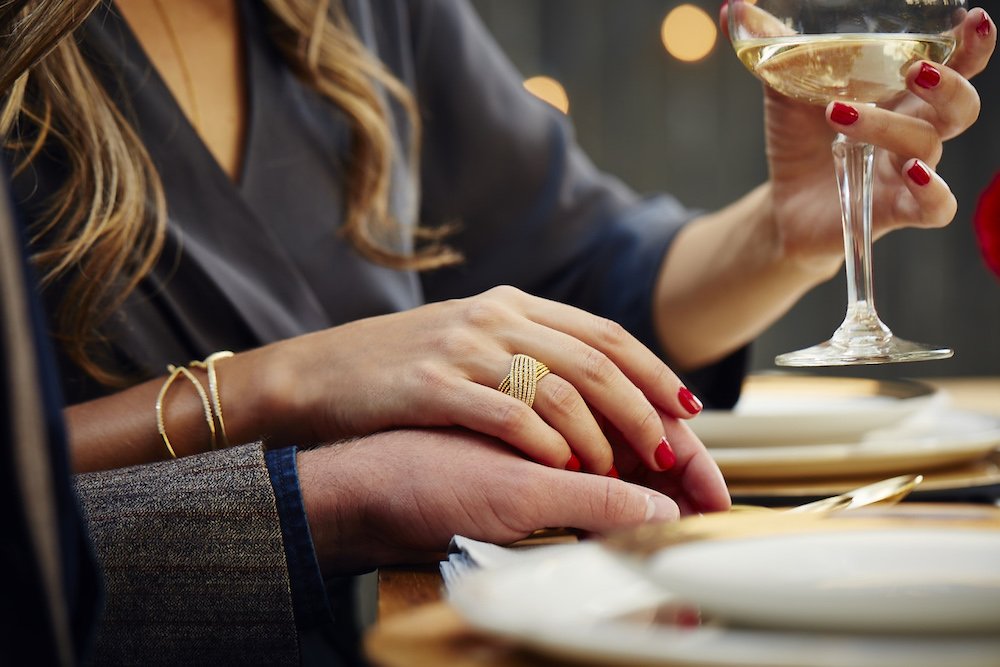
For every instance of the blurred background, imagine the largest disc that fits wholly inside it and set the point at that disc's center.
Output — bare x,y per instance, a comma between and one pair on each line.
659,99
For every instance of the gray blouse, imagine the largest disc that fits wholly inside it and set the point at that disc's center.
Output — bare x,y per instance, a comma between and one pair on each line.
260,260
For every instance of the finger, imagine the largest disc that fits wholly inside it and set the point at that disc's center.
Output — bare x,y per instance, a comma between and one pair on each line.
642,367
560,405
927,200
563,408
488,411
601,504
601,383
895,132
698,476
977,38
954,104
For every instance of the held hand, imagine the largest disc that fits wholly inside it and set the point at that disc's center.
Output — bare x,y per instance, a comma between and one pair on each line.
398,497
694,482
441,364
940,104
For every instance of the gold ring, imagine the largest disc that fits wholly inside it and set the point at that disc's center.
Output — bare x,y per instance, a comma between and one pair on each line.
522,380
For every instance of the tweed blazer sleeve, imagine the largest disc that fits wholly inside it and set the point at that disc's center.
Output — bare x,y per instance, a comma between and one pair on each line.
193,562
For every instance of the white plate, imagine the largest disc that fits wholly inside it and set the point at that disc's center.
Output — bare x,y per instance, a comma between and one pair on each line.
917,580
795,409
931,440
585,604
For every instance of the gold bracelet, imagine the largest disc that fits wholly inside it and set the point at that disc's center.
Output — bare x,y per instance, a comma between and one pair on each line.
213,389
161,427
175,372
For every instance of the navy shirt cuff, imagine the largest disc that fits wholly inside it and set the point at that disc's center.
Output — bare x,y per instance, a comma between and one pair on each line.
309,599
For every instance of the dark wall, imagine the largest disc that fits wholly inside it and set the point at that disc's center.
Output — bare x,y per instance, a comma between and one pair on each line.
695,130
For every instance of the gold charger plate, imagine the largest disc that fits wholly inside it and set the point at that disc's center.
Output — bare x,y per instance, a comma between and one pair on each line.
978,474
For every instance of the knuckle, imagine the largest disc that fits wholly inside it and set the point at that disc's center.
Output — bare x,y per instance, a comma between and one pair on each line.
663,376
881,124
597,367
616,505
510,417
650,420
610,333
946,212
482,313
431,378
961,104
933,147
459,343
974,110
562,397
504,292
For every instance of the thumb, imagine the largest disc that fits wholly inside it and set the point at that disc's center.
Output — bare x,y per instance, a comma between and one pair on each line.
603,504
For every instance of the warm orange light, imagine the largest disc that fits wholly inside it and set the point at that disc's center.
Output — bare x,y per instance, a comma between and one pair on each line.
689,33
548,90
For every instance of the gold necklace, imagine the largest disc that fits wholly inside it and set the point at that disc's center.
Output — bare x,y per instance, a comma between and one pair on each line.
186,79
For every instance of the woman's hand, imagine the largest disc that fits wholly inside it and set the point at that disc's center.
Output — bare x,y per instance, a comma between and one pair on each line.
439,365
399,497
941,104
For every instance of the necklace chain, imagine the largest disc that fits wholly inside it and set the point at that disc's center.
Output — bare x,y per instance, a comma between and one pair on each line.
186,79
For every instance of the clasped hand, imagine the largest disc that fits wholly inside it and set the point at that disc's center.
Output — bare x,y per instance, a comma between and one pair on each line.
607,400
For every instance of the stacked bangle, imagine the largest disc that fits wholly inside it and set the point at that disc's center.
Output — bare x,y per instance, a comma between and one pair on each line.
210,401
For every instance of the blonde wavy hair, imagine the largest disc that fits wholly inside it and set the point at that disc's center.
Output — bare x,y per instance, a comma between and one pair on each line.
103,230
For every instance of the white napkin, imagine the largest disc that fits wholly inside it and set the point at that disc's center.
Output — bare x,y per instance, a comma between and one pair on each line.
466,554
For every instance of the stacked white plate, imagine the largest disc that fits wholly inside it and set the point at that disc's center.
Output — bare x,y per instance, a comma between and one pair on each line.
921,593
788,427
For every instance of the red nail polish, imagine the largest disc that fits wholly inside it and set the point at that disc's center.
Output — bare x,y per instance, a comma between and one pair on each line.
984,27
664,455
688,617
573,465
929,77
613,472
919,174
689,401
843,114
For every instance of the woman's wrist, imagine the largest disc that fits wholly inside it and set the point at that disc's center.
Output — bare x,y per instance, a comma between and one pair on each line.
257,395
807,266
728,276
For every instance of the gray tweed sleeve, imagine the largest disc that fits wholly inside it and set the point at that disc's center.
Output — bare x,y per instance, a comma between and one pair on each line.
193,562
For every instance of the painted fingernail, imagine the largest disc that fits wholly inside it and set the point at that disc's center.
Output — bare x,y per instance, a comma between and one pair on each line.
843,114
929,77
688,617
689,401
919,173
573,465
659,508
664,455
613,472
984,26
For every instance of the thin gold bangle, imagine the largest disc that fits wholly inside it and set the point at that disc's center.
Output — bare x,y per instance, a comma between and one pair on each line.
176,371
160,426
205,403
213,388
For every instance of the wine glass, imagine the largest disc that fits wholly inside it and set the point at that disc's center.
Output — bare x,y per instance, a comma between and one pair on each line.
857,51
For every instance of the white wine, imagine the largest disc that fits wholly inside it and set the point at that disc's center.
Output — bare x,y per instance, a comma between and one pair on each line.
861,68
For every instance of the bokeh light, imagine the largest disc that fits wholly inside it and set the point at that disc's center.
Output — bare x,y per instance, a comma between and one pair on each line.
689,33
548,90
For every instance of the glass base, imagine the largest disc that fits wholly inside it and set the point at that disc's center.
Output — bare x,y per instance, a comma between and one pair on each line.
890,351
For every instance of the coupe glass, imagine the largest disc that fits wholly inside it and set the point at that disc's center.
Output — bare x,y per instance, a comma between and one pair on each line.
855,51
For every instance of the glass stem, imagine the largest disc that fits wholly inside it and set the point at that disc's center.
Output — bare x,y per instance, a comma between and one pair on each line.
854,163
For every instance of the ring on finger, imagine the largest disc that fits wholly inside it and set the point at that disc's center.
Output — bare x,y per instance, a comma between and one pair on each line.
522,380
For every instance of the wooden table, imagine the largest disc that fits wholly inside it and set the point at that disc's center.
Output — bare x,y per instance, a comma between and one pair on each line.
416,629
